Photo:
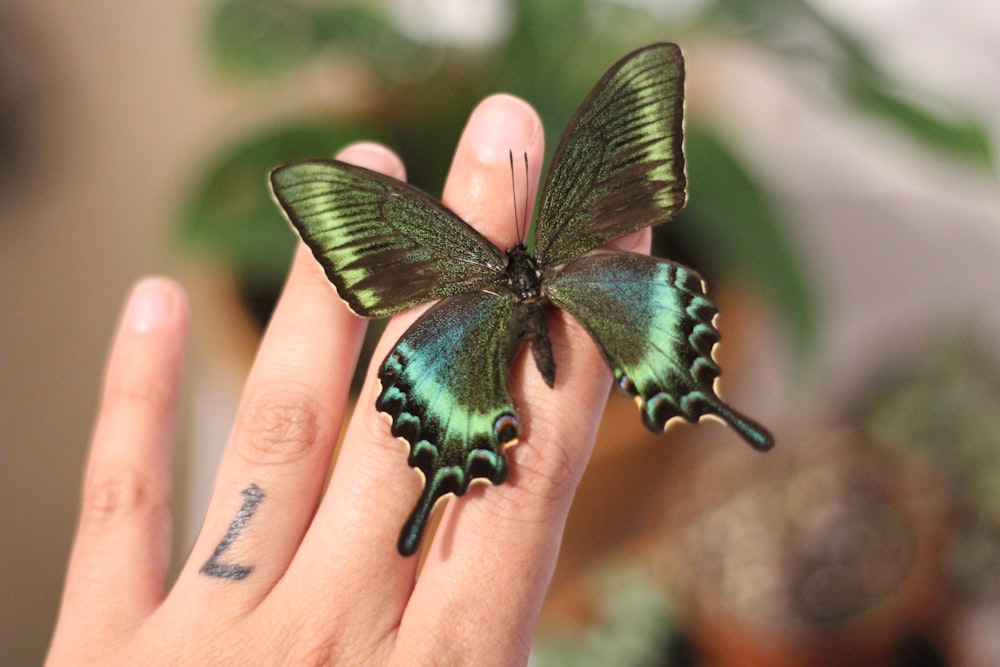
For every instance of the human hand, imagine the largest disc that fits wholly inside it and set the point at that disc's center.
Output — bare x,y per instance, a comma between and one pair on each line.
288,569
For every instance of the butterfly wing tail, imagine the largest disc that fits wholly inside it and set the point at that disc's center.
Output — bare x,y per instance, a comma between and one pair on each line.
755,435
413,530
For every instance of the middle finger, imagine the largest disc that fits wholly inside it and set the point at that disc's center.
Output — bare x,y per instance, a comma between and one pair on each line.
273,469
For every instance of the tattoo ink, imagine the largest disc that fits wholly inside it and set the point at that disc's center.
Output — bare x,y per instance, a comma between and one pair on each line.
252,495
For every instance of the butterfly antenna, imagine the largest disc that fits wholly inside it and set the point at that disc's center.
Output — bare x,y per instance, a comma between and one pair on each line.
524,218
513,190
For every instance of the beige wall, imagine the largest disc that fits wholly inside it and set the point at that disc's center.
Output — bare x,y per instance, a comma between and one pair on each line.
120,109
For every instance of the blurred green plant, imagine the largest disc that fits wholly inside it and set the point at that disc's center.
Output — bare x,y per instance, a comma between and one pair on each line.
639,625
796,30
233,194
943,409
550,54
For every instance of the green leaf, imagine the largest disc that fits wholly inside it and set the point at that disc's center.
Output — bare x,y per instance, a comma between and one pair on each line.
256,36
231,213
265,36
961,137
780,26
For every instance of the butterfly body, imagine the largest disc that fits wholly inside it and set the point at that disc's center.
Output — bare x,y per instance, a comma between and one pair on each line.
526,289
386,246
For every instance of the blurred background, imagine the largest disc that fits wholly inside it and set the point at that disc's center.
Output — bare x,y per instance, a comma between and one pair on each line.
844,209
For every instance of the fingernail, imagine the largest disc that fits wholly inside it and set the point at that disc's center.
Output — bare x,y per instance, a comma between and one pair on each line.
149,305
499,125
373,156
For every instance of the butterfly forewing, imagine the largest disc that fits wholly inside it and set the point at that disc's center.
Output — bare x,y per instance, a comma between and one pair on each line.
384,244
619,166
654,325
445,387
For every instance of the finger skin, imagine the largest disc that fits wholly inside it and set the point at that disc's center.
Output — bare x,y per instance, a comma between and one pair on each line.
122,548
273,470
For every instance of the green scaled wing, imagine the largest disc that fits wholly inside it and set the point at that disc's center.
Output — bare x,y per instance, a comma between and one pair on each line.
653,323
619,166
384,244
445,387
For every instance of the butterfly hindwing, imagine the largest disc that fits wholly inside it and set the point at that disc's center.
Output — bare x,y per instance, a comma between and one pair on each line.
444,385
654,325
619,166
384,244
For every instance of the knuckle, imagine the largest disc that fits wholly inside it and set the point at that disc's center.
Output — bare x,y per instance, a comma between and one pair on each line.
118,494
547,474
129,391
322,651
378,431
377,428
279,424
311,642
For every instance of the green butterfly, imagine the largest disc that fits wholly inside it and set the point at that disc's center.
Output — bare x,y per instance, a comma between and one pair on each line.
386,246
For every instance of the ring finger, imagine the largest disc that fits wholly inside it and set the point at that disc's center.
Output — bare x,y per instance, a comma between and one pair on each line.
273,469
